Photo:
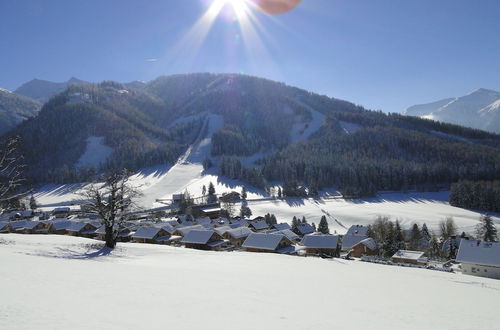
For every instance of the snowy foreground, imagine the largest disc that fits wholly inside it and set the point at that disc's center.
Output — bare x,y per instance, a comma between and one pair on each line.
59,282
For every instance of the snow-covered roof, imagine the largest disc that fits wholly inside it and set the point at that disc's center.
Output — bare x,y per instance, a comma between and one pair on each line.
348,241
479,253
305,229
357,230
61,209
222,230
78,226
259,224
168,228
17,224
281,226
369,243
288,233
146,232
198,236
203,221
320,241
61,224
263,241
4,225
183,231
409,255
239,232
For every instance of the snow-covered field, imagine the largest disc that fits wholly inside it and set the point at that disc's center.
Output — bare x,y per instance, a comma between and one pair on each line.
61,282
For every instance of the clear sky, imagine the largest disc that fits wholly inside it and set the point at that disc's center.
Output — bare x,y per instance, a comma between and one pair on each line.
383,54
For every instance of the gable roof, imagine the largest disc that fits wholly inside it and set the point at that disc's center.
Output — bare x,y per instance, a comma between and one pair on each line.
305,228
146,232
369,243
479,253
357,230
222,230
61,224
203,221
168,228
320,241
407,254
183,231
258,224
281,226
287,232
348,241
78,226
239,232
263,241
199,236
4,225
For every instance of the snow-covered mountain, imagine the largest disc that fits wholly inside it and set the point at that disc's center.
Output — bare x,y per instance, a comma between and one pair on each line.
479,109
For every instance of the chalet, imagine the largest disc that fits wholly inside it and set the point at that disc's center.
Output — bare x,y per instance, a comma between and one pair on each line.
182,231
479,258
204,240
281,226
322,244
288,233
169,228
409,257
303,229
261,242
237,235
222,230
209,210
258,225
61,212
124,234
367,247
5,227
151,235
29,227
82,229
232,196
203,221
358,230
61,226
238,223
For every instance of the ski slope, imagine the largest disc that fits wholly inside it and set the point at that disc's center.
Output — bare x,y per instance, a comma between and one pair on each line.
62,282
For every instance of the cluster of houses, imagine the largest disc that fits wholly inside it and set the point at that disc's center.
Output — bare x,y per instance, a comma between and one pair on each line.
256,235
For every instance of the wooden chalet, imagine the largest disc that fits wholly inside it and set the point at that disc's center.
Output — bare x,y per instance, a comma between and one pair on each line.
153,235
82,229
479,258
367,247
5,227
303,229
258,225
261,242
322,245
237,235
61,212
204,240
409,257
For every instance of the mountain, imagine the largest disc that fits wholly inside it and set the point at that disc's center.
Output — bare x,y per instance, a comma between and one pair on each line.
260,131
43,90
14,109
479,109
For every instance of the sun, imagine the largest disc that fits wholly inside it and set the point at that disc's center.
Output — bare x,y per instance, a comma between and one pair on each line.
239,7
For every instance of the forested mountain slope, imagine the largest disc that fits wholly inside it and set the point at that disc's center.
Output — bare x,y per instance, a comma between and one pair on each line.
14,109
305,138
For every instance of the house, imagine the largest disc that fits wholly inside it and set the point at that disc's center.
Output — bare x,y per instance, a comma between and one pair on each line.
82,229
281,226
209,210
177,198
358,230
169,228
367,247
409,257
237,236
61,212
261,242
288,233
222,230
151,235
203,221
124,234
258,225
232,196
29,227
204,240
60,227
479,258
322,244
303,229
183,230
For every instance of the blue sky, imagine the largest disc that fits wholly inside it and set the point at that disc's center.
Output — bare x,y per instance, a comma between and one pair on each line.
381,54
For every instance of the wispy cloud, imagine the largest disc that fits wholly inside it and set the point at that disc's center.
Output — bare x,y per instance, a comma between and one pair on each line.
151,60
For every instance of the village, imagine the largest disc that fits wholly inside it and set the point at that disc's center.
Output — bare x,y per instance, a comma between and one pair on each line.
212,229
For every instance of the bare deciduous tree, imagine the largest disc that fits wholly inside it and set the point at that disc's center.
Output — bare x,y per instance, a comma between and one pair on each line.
11,171
112,201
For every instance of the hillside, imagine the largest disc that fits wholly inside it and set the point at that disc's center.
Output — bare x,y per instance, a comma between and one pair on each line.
145,278
43,90
267,131
479,109
14,109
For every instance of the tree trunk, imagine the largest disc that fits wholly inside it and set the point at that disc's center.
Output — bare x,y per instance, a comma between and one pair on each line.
110,239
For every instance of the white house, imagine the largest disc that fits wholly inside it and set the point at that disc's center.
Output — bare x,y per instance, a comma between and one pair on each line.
479,258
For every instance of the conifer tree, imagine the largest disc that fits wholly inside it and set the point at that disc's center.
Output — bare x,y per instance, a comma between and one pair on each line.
243,193
211,189
323,226
415,237
33,204
486,229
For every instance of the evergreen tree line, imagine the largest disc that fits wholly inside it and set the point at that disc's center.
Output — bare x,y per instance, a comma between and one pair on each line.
478,195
